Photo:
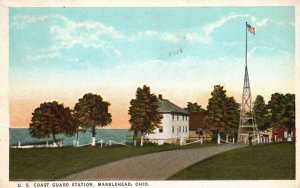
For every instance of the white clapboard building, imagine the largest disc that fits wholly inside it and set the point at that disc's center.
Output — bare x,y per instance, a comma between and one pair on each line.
175,124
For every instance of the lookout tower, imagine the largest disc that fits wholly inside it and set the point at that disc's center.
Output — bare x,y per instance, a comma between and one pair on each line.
247,125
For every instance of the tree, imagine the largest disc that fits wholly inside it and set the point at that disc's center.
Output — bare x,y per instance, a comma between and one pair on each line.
214,119
282,109
222,113
194,107
275,105
51,118
232,115
91,111
261,115
288,115
143,111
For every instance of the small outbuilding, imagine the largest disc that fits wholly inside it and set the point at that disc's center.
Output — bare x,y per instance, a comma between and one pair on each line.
282,134
197,128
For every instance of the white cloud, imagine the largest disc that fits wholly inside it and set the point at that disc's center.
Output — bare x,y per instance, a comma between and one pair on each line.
207,30
212,26
196,37
170,37
73,59
286,23
96,35
42,57
87,34
67,33
253,18
164,36
263,22
150,33
22,21
277,52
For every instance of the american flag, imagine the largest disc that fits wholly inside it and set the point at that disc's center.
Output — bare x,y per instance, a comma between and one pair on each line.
251,29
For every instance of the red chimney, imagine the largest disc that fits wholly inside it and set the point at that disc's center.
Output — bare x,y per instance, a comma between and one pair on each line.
160,96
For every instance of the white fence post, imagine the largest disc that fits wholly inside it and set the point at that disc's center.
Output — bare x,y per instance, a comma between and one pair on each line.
181,141
289,139
93,141
142,140
219,139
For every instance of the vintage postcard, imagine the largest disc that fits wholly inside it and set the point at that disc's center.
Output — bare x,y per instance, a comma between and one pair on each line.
148,94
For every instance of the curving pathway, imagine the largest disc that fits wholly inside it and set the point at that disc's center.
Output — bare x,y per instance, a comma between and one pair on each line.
154,166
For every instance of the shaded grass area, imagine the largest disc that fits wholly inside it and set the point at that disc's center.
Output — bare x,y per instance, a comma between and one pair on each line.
54,163
260,162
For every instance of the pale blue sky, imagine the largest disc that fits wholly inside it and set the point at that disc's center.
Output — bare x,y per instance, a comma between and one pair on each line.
60,53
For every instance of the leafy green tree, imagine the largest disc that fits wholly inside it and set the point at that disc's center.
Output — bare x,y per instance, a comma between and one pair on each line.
51,118
91,111
275,105
232,115
143,111
262,117
194,107
214,119
222,113
289,113
282,108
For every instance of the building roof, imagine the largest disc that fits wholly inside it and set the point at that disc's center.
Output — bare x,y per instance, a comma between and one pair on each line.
168,107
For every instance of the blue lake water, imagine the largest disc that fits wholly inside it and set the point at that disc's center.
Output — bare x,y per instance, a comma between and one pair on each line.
22,135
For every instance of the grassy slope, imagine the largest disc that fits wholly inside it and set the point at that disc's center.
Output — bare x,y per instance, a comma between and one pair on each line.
260,162
53,163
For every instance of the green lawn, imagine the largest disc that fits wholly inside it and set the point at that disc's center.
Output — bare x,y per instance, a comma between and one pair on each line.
259,162
54,163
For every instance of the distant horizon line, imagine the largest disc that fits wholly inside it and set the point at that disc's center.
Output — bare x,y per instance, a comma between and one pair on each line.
96,128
